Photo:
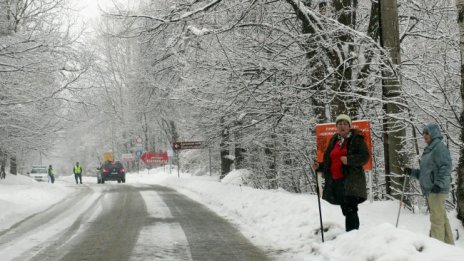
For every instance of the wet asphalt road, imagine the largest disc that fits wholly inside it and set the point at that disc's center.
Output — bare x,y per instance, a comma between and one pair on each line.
127,222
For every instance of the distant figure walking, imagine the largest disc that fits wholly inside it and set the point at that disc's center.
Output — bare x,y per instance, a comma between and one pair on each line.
77,170
434,176
51,174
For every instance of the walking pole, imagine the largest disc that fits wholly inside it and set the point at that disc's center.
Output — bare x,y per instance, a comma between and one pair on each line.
401,201
318,202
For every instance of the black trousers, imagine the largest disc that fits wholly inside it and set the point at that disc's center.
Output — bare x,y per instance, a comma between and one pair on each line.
78,177
350,211
349,205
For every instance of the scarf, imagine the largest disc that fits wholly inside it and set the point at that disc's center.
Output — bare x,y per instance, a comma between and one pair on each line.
341,139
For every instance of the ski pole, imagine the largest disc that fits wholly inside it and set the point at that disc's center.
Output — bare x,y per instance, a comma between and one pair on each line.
401,201
318,202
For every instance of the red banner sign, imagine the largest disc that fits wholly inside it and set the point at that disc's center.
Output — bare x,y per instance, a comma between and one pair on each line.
154,157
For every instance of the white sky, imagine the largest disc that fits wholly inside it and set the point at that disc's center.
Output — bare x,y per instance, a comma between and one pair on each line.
90,8
274,220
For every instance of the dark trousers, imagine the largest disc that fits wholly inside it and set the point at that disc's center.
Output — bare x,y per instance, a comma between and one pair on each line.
52,178
349,205
350,211
78,177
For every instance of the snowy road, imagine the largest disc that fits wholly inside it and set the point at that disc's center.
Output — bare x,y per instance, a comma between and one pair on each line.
126,222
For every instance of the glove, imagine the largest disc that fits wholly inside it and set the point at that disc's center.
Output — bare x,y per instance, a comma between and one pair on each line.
435,189
407,171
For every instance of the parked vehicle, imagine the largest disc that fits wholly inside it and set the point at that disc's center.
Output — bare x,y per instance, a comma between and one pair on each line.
39,173
111,170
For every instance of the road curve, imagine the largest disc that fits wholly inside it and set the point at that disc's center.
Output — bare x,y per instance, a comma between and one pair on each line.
131,222
210,237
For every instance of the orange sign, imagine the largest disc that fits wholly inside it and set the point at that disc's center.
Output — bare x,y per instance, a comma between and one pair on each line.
325,131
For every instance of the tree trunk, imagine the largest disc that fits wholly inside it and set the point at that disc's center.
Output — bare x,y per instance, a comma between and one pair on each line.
460,169
13,166
239,150
145,130
394,129
3,160
345,11
5,17
171,132
239,158
226,162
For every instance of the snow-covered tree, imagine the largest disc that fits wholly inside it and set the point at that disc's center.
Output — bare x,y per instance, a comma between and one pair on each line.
39,68
460,167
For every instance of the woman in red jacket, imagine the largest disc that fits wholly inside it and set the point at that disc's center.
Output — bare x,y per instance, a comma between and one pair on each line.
345,180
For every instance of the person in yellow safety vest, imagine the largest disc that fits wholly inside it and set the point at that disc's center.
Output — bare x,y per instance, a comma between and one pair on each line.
51,174
77,170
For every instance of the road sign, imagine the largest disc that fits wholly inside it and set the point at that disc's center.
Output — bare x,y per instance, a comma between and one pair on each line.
138,153
127,157
153,157
184,145
108,156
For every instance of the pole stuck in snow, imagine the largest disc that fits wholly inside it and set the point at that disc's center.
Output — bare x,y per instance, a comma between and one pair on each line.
318,202
401,201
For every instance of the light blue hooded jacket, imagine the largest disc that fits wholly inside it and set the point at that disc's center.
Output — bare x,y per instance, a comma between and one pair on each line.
436,164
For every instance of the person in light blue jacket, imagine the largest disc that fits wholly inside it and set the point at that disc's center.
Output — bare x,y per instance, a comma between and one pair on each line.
434,177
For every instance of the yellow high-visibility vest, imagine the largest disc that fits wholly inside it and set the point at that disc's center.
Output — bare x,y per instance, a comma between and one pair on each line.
77,169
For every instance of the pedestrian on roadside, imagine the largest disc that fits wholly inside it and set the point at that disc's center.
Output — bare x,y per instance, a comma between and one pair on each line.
51,174
342,167
77,170
434,175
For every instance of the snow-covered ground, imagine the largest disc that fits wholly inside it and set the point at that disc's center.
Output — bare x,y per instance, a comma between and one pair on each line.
282,223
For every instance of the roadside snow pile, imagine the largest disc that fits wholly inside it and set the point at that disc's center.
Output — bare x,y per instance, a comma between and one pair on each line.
236,177
22,196
288,224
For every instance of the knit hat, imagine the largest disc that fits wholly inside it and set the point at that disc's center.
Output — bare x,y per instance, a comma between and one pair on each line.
343,117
